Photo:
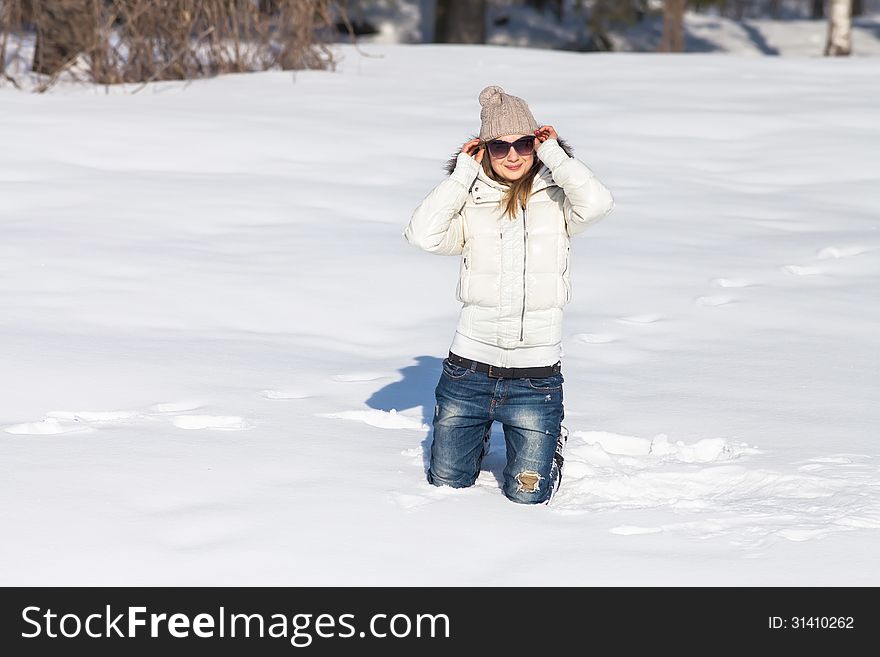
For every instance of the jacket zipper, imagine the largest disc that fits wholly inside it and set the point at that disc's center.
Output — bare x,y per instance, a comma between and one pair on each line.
522,319
564,271
458,291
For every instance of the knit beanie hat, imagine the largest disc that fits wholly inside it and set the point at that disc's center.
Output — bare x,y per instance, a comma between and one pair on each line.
503,114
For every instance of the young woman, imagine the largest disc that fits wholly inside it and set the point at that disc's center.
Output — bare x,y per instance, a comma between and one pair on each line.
513,198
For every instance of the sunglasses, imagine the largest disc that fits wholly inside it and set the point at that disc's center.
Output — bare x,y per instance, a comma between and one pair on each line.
499,148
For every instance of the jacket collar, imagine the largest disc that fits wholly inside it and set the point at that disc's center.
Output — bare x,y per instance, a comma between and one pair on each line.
541,180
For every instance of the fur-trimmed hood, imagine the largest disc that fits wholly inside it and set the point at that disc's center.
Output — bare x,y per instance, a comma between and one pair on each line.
543,172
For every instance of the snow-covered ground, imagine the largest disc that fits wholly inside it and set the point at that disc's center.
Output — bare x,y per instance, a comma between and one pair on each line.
219,353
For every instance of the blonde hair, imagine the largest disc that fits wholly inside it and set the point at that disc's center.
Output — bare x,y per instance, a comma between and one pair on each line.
518,191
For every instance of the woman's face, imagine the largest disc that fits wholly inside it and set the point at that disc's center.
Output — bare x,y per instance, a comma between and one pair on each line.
511,166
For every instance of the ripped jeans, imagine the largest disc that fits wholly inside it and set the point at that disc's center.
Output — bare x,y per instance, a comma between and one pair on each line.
531,412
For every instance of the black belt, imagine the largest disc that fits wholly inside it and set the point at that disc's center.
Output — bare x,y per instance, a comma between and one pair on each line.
507,372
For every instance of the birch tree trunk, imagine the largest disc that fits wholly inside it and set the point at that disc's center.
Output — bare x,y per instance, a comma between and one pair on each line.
839,28
672,39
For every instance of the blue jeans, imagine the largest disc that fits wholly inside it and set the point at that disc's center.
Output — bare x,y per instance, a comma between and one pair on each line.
531,412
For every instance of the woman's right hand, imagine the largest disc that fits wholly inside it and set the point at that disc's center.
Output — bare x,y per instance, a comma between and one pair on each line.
469,146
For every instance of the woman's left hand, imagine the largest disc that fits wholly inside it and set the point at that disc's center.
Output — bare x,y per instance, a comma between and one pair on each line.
546,132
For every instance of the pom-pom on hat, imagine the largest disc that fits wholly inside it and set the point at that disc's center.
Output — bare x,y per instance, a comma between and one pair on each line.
503,114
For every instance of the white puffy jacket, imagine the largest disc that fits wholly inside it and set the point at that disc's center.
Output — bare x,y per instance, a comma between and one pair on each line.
514,277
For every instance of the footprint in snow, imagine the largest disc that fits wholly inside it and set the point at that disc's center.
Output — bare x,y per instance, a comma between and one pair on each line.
219,422
48,426
284,394
62,422
58,422
802,270
714,300
96,417
826,253
646,318
732,282
840,252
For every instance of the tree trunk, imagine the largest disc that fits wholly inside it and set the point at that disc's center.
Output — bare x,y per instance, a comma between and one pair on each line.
64,29
672,39
600,15
460,21
818,11
839,28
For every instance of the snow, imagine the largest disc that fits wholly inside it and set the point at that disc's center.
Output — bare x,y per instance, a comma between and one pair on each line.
219,353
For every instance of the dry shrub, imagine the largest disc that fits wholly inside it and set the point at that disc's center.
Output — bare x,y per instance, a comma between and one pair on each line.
115,41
